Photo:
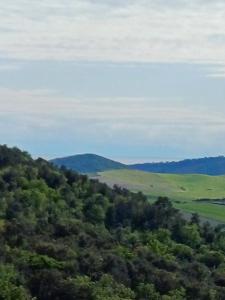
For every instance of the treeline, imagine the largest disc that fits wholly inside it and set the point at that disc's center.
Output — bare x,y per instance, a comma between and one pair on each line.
63,236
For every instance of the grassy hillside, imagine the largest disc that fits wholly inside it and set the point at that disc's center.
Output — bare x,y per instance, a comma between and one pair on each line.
87,163
183,190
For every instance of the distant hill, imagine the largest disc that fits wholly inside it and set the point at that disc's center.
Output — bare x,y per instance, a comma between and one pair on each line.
88,163
209,166
92,163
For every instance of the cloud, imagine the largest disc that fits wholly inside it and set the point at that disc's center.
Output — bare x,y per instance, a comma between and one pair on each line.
117,31
217,72
43,115
10,66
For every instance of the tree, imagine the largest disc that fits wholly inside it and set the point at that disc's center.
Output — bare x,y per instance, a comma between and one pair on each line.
9,290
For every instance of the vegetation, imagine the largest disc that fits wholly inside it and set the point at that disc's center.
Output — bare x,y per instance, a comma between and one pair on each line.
183,190
88,163
208,166
91,163
63,236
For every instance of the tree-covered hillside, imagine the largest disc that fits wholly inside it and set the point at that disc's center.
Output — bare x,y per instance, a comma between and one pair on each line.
63,236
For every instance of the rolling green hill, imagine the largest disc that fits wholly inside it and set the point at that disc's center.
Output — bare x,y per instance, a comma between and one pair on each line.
87,163
183,190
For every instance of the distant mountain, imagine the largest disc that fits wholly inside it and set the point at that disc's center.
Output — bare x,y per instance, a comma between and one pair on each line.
91,163
88,163
208,166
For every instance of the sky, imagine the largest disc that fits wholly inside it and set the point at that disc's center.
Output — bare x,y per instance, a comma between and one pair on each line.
131,80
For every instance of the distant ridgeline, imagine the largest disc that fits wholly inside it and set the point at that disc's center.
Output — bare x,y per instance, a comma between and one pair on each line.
64,236
91,163
208,166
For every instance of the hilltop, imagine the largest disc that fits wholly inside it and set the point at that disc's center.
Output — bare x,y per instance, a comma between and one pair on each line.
88,163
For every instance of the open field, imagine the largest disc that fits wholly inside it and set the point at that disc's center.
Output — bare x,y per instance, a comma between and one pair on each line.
183,190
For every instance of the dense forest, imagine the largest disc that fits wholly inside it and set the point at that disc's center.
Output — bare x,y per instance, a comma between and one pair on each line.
64,236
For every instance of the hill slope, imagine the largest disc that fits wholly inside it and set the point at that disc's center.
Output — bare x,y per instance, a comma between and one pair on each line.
64,236
208,166
183,190
88,163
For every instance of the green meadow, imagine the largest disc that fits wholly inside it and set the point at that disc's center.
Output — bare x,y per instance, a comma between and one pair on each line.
183,190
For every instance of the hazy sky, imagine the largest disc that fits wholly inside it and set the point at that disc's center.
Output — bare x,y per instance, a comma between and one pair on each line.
126,79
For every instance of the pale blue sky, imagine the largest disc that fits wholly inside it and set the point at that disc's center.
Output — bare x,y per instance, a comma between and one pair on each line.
133,80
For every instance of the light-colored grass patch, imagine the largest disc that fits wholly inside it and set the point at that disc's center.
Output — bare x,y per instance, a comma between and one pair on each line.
183,190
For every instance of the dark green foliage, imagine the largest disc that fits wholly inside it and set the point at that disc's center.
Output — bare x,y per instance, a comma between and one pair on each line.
63,236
